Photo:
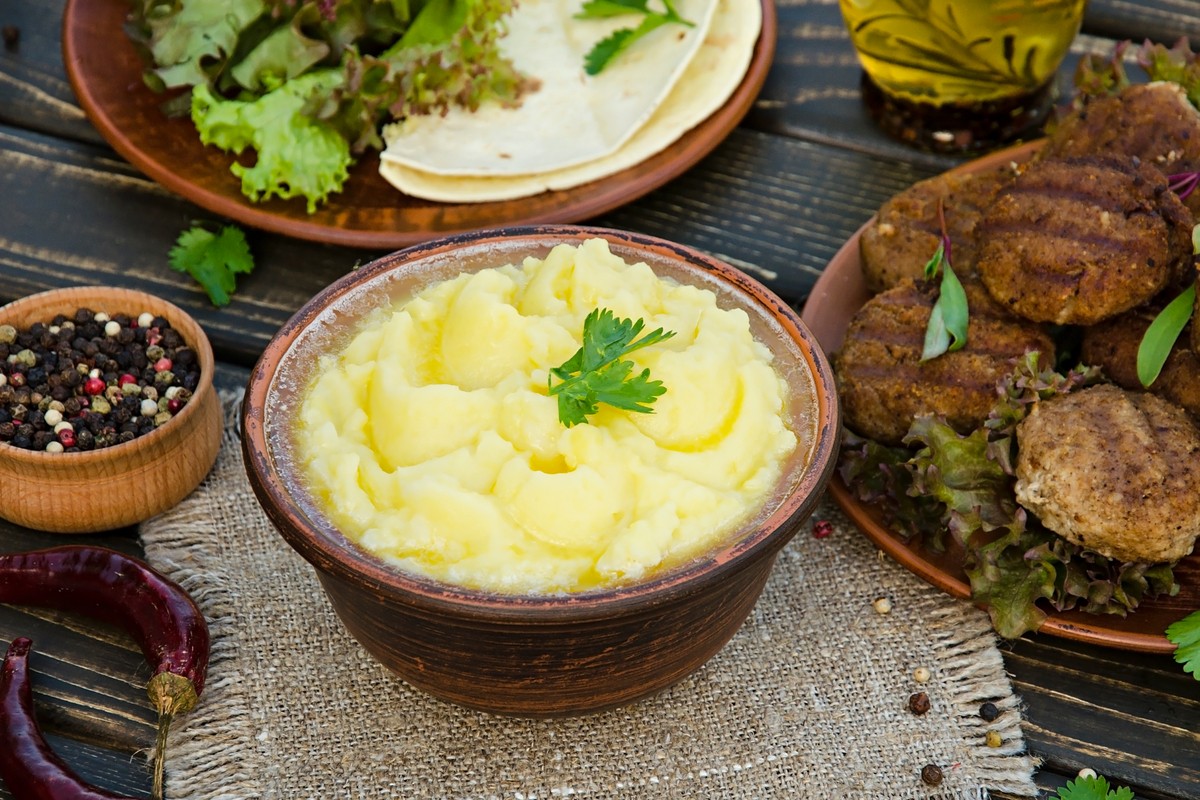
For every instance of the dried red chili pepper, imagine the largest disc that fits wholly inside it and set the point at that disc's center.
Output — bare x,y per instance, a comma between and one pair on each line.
30,769
108,585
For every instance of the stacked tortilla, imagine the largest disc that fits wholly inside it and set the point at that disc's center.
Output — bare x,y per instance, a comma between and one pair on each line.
577,128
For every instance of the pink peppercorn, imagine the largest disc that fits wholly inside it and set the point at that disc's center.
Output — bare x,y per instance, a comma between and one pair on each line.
67,437
94,386
162,365
822,528
174,404
126,378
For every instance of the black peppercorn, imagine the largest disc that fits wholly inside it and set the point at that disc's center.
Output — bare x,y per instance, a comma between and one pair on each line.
918,703
11,35
931,774
989,712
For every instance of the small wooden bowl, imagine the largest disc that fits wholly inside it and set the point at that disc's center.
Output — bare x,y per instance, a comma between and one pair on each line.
550,654
127,483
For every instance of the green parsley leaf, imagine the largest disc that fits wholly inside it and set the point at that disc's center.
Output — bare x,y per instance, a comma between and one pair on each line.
1185,635
1093,789
213,259
598,372
608,48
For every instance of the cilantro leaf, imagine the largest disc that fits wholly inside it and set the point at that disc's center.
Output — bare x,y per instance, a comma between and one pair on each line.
611,46
1093,788
598,373
213,259
1185,635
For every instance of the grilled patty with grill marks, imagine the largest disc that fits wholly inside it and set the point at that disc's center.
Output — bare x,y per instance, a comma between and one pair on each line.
908,230
1080,240
883,382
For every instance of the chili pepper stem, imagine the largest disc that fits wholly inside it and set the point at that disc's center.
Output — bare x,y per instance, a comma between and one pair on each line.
160,752
171,694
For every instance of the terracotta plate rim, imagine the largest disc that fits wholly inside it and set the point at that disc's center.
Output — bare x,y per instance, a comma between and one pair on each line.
103,93
841,284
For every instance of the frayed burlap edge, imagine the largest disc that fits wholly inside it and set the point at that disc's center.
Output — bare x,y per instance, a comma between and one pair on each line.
223,715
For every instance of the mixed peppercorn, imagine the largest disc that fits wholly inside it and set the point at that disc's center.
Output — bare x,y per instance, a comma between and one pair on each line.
89,381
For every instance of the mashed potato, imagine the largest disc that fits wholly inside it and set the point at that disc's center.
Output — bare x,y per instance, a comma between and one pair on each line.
431,439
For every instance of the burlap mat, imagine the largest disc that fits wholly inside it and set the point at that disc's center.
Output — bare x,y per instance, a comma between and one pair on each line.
809,699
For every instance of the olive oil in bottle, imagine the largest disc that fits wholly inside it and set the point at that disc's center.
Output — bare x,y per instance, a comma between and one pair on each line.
960,75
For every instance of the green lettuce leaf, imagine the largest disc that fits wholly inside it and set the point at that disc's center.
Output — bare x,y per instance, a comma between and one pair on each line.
450,56
285,53
1177,64
190,40
296,155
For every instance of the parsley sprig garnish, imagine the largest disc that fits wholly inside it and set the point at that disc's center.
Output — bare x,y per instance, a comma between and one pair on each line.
947,328
599,373
608,48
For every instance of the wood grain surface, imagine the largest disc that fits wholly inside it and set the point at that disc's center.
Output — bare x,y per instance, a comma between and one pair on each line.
778,197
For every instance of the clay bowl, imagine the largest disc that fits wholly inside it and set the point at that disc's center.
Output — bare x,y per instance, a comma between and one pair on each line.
111,487
536,655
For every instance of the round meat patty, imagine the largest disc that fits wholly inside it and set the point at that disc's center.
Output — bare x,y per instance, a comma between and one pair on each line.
1113,345
1153,121
1113,471
907,230
883,384
1080,240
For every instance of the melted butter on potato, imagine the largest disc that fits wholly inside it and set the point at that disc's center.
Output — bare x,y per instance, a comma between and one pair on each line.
431,439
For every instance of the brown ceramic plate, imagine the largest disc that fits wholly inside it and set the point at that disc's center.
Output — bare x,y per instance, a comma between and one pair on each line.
838,293
105,71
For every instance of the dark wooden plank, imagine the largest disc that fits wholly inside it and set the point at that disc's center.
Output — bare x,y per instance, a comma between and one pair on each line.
124,775
1158,20
1133,717
34,91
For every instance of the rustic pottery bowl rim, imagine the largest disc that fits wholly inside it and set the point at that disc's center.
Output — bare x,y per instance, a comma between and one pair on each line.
332,553
120,294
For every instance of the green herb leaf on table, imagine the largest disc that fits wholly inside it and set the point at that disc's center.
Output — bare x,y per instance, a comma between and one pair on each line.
1185,635
607,49
1093,788
214,260
599,373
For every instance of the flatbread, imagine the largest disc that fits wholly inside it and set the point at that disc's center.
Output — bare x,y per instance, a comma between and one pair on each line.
708,82
573,117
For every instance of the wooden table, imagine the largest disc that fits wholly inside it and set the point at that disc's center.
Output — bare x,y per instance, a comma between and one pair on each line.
777,198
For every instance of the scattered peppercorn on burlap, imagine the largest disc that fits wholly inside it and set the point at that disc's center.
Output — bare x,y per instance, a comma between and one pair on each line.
809,699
